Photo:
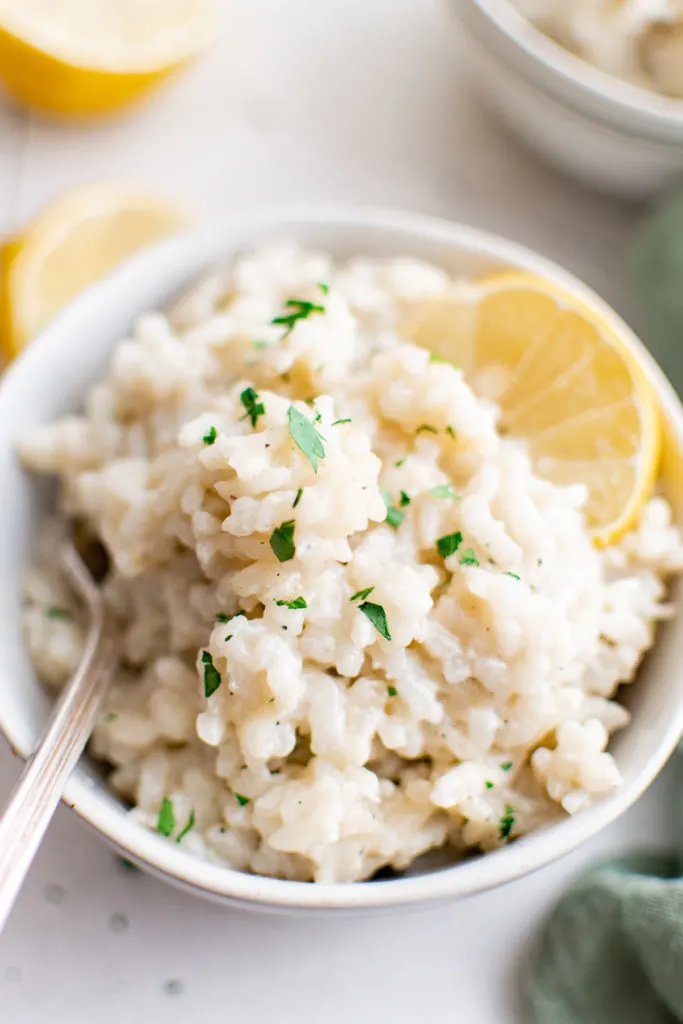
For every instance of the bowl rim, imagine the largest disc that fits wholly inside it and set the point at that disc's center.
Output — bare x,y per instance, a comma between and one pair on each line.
607,96
166,860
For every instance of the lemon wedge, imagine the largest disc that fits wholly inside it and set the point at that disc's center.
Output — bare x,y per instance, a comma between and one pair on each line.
84,57
565,380
72,243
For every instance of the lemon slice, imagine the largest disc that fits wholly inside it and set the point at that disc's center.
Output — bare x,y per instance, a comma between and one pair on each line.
72,243
565,380
82,57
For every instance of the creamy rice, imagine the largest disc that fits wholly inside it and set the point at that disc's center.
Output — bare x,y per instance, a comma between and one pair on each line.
638,40
325,750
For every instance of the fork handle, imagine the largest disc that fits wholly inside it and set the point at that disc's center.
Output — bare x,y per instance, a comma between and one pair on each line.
35,797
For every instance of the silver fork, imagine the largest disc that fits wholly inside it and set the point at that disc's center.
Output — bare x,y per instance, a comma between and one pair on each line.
35,797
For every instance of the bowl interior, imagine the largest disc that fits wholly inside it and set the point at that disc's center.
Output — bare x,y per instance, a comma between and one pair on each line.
51,378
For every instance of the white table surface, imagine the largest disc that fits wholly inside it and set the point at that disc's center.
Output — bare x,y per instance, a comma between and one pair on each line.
358,101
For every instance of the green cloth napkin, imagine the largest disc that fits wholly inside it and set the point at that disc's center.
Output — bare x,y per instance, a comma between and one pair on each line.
612,952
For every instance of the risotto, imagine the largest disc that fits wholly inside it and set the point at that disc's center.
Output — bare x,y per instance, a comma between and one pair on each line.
357,625
638,40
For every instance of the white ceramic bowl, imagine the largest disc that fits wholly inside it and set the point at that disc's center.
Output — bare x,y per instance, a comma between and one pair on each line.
607,133
50,379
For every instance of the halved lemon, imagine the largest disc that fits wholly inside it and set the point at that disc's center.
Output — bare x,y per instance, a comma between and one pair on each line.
565,379
83,57
72,243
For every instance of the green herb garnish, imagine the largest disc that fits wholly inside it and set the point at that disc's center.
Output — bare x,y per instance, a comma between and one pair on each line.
166,818
210,436
469,557
300,310
57,613
282,541
506,766
450,432
513,574
394,516
127,865
426,426
449,544
250,400
324,288
337,422
260,344
221,617
241,800
399,463
212,677
188,827
298,497
433,358
298,602
305,436
489,785
506,824
403,499
362,595
392,691
377,616
444,491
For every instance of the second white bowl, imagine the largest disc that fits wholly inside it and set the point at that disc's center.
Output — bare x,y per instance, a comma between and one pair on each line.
607,133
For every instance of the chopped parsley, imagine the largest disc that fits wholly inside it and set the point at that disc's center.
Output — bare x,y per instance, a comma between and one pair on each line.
513,574
282,541
506,766
403,499
242,800
394,516
254,408
449,544
337,422
260,344
506,823
188,827
489,785
300,310
127,865
469,557
392,691
305,436
450,432
298,497
57,613
426,426
210,436
228,618
444,491
212,677
377,616
166,818
324,288
298,602
399,463
362,595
